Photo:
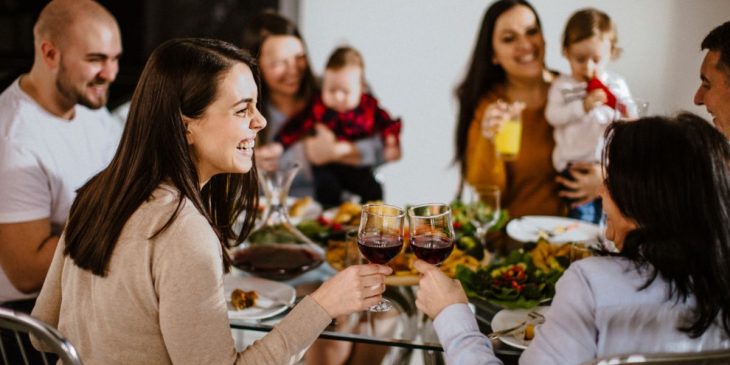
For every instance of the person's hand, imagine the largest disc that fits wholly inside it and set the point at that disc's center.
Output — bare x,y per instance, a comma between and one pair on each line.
498,113
593,99
587,179
354,289
267,156
323,147
391,150
436,290
495,115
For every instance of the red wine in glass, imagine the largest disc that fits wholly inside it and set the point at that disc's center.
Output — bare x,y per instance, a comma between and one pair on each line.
380,249
432,249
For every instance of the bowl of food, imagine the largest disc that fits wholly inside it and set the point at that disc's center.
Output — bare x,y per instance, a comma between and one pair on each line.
523,279
277,261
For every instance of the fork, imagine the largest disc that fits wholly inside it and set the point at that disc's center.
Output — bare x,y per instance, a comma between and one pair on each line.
532,315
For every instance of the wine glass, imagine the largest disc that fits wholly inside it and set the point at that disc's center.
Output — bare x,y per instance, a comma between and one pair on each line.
431,232
380,238
482,207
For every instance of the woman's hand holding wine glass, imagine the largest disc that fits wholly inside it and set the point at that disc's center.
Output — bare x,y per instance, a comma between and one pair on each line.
380,238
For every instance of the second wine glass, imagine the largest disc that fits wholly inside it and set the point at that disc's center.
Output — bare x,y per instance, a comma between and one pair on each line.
380,238
431,232
482,208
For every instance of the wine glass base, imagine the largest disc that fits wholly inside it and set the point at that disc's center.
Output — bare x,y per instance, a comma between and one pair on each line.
383,306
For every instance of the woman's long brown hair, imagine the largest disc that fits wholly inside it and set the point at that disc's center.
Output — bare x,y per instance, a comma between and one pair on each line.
180,79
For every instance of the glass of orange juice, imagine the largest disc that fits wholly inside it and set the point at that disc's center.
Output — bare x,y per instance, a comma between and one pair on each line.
508,138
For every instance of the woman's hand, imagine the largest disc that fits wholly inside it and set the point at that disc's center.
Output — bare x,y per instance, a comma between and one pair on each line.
354,289
323,147
267,156
587,179
436,290
498,113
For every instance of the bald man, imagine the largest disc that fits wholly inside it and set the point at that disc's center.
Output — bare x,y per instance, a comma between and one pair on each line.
714,90
55,134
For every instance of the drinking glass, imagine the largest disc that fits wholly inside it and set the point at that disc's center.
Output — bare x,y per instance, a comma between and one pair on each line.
482,208
380,238
631,109
508,138
431,232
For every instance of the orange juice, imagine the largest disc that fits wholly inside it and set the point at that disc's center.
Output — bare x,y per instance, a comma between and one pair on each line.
507,140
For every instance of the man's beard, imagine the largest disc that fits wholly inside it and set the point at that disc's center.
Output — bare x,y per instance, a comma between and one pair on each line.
65,87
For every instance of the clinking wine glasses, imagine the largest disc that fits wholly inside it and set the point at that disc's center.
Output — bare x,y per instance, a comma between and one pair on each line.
431,232
380,238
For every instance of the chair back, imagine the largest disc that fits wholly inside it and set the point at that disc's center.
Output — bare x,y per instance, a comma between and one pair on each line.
684,358
20,323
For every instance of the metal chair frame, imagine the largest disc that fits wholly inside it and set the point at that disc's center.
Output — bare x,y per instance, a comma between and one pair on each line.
716,357
18,323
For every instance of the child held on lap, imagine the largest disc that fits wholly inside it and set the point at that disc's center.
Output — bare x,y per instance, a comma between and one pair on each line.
352,114
581,105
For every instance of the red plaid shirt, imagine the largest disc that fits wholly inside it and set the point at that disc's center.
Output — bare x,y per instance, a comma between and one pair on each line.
366,120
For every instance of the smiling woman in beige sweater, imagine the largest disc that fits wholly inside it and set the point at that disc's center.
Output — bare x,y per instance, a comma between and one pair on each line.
137,275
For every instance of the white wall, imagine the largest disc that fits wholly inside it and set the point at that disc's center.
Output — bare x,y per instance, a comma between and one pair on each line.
416,52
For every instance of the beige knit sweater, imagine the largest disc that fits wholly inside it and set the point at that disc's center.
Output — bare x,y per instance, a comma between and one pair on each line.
162,300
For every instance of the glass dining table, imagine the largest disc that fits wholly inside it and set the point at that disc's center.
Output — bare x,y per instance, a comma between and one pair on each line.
403,329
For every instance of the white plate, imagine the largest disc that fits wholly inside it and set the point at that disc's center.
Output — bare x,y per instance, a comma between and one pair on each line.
527,229
267,288
507,318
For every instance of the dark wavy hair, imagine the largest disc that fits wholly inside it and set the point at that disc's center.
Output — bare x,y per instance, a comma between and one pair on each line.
671,176
483,75
255,32
180,79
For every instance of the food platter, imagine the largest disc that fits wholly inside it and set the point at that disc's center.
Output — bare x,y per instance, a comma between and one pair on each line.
507,318
553,229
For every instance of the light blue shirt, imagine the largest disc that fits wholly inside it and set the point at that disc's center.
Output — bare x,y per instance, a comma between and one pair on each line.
597,311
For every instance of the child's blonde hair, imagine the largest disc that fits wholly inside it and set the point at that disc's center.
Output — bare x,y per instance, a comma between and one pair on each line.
586,23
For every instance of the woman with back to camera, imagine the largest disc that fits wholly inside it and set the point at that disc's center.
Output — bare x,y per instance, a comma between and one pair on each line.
667,199
288,87
508,65
137,277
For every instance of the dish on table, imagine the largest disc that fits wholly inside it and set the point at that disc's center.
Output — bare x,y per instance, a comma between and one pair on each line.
275,291
301,209
507,318
405,274
278,261
346,214
552,229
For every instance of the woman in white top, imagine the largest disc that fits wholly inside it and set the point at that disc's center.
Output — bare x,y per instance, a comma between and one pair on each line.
667,198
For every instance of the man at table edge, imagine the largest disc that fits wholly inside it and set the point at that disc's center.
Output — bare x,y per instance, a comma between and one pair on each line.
55,133
714,90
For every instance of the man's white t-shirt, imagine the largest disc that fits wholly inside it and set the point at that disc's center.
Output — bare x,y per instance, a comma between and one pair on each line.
45,159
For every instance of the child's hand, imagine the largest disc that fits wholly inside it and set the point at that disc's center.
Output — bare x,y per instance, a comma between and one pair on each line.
391,150
593,99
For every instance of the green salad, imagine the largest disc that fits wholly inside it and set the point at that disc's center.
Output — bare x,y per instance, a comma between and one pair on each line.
513,281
